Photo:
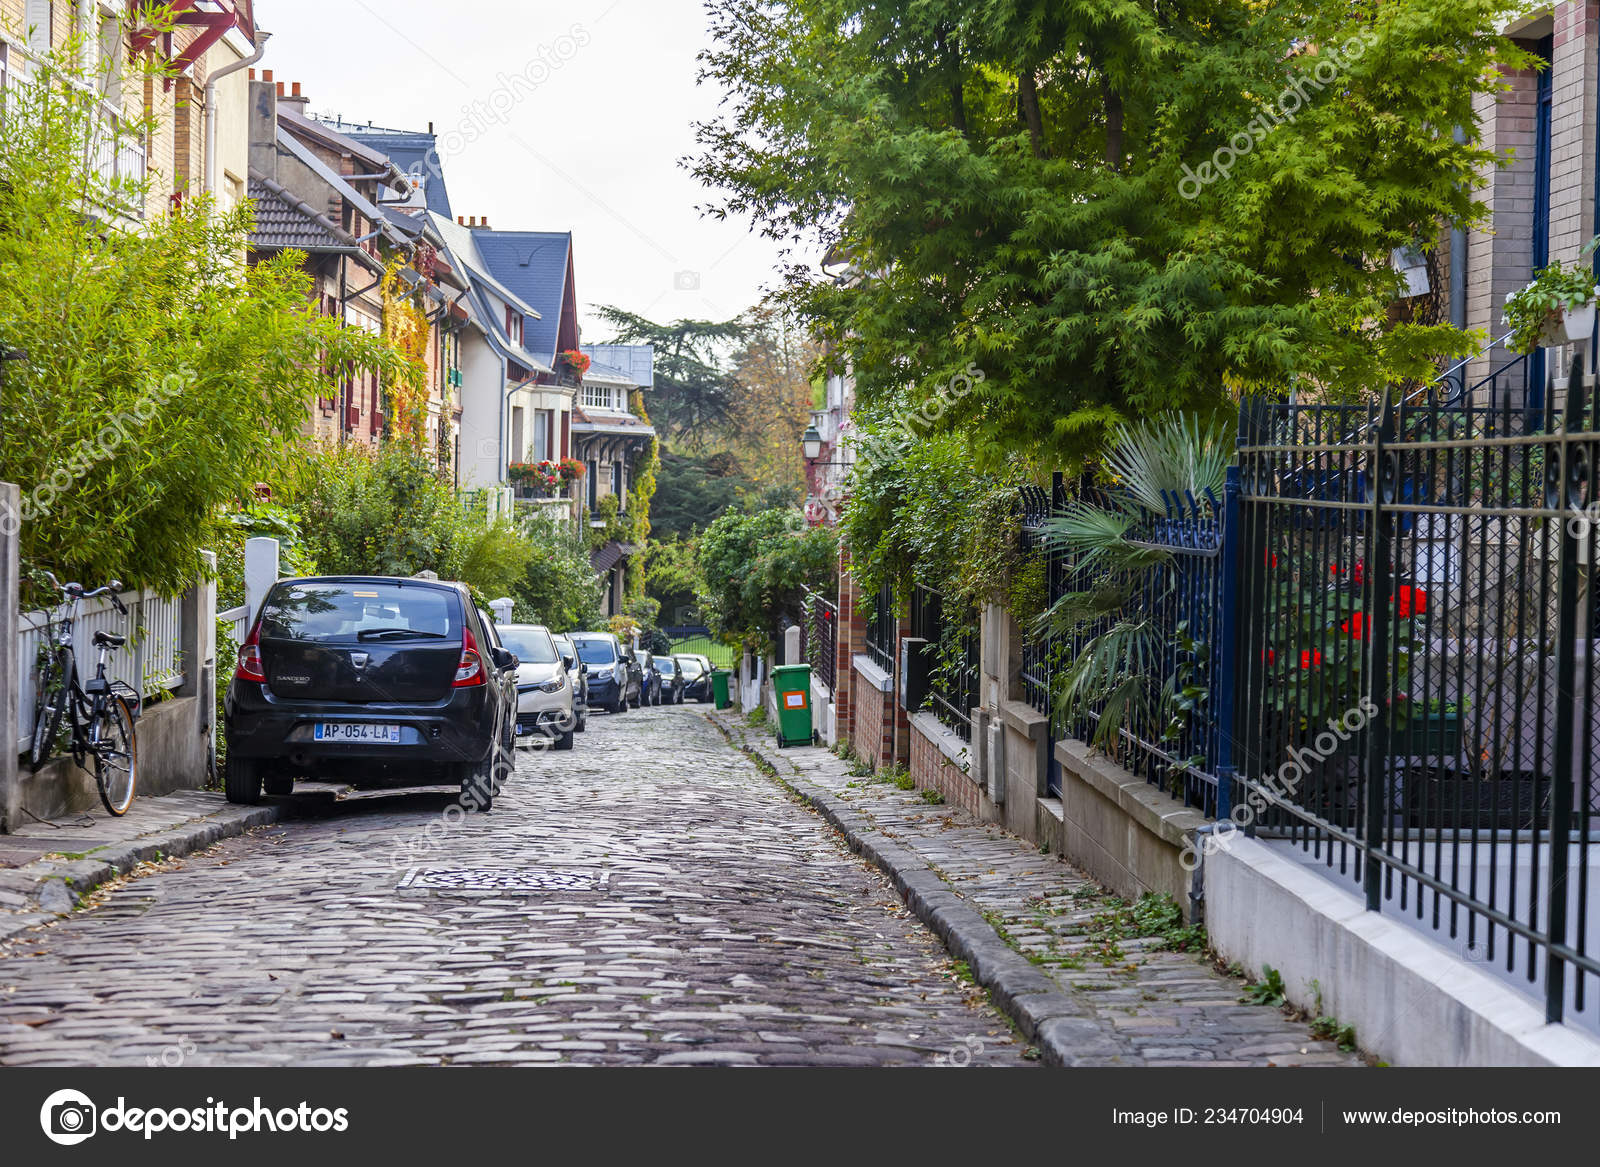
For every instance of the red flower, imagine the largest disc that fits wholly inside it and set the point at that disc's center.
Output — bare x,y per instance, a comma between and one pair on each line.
1310,658
1270,558
1410,601
1271,656
1358,573
1356,626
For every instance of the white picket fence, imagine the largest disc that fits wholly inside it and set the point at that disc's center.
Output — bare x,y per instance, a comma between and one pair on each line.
151,661
238,622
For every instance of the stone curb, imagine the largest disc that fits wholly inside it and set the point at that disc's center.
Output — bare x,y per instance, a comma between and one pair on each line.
1060,1025
52,887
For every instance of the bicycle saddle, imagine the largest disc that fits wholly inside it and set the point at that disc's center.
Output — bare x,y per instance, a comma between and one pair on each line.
109,640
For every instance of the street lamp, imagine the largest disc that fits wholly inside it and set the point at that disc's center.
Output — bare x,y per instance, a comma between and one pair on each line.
812,443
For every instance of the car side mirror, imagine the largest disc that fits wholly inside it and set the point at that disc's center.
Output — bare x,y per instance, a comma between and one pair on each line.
566,660
504,658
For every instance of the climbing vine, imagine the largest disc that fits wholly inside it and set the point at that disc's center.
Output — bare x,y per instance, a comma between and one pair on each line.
405,328
644,489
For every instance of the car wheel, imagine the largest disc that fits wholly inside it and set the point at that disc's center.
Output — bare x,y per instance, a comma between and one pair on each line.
241,782
477,786
564,742
634,704
278,785
582,724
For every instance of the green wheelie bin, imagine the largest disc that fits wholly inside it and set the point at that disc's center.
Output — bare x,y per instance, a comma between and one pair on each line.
792,684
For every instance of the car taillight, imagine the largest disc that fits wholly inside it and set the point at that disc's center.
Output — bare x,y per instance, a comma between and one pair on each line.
250,667
469,670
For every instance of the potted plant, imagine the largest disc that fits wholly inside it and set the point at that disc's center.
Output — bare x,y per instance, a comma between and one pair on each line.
1425,729
571,469
576,361
1557,307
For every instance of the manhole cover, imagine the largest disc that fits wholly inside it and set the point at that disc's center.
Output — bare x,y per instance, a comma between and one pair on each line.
512,879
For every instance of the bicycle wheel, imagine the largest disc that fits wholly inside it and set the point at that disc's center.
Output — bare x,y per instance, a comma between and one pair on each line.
116,755
49,707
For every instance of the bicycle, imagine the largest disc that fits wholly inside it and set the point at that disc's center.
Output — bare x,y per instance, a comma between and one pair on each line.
102,712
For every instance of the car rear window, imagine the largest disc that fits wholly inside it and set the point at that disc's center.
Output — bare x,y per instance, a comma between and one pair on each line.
666,665
595,652
691,668
360,611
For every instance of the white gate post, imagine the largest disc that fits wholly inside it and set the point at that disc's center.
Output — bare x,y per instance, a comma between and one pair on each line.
260,572
502,609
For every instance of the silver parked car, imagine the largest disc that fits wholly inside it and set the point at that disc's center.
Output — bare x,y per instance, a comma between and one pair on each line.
545,701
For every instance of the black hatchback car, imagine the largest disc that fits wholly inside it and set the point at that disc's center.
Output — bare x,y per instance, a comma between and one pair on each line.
374,680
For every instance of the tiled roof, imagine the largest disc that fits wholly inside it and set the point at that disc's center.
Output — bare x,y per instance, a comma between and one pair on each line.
282,222
603,559
533,264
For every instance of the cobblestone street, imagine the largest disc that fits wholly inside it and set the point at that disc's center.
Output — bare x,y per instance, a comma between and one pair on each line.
649,897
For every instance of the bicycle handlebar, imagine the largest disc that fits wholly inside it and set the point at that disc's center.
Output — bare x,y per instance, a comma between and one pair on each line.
75,591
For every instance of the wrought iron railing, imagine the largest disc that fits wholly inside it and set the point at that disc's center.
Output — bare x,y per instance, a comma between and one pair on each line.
953,676
881,629
821,626
1415,677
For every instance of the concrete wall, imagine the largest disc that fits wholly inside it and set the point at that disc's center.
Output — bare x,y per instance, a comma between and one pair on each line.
172,756
1411,1002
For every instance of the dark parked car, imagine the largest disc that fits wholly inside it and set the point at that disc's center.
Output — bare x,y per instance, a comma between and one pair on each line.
671,680
373,680
613,681
650,686
696,678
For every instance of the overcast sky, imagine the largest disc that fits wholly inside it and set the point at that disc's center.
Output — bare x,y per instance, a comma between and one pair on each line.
551,116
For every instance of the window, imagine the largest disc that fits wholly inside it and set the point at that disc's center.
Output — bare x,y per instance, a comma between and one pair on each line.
38,20
543,421
602,397
111,62
593,478
616,481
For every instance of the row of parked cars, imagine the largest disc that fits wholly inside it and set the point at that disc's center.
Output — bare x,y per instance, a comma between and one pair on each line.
385,681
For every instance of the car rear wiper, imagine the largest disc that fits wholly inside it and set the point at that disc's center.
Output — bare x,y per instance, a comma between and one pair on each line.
397,633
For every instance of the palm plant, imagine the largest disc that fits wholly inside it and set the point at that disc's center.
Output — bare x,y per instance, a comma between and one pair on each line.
1120,666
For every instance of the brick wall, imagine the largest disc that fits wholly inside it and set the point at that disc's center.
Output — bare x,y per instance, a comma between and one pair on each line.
1574,77
1499,256
872,724
931,770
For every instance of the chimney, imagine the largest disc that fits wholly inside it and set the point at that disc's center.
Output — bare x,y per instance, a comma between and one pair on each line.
252,74
294,99
264,126
266,75
485,223
462,220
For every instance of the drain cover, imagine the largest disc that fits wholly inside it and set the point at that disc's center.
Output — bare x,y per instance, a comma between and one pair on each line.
512,879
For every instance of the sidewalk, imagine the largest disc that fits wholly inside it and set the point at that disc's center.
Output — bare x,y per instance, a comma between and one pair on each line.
1062,957
46,867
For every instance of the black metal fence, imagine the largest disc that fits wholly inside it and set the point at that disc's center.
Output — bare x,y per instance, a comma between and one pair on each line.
881,629
821,638
954,675
1415,673
1389,621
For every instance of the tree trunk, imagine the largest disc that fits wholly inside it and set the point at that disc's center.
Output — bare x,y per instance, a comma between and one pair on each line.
1113,103
951,52
1028,106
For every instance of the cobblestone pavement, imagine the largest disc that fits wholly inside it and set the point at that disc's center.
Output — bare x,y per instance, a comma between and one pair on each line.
648,897
1160,1007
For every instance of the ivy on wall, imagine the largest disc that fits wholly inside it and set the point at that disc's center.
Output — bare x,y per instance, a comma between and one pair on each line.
405,328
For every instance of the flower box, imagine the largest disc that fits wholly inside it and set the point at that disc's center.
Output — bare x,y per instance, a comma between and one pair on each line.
1432,735
1571,325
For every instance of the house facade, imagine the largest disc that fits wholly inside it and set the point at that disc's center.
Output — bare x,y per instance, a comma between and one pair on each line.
1544,126
201,144
337,202
610,439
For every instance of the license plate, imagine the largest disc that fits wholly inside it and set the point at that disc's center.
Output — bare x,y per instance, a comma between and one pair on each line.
357,731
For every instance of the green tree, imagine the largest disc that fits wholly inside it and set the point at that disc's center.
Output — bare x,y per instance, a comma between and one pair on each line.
691,392
1037,188
162,377
756,567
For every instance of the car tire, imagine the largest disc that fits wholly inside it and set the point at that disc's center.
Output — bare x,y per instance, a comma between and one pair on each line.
241,781
564,742
278,785
477,786
634,704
